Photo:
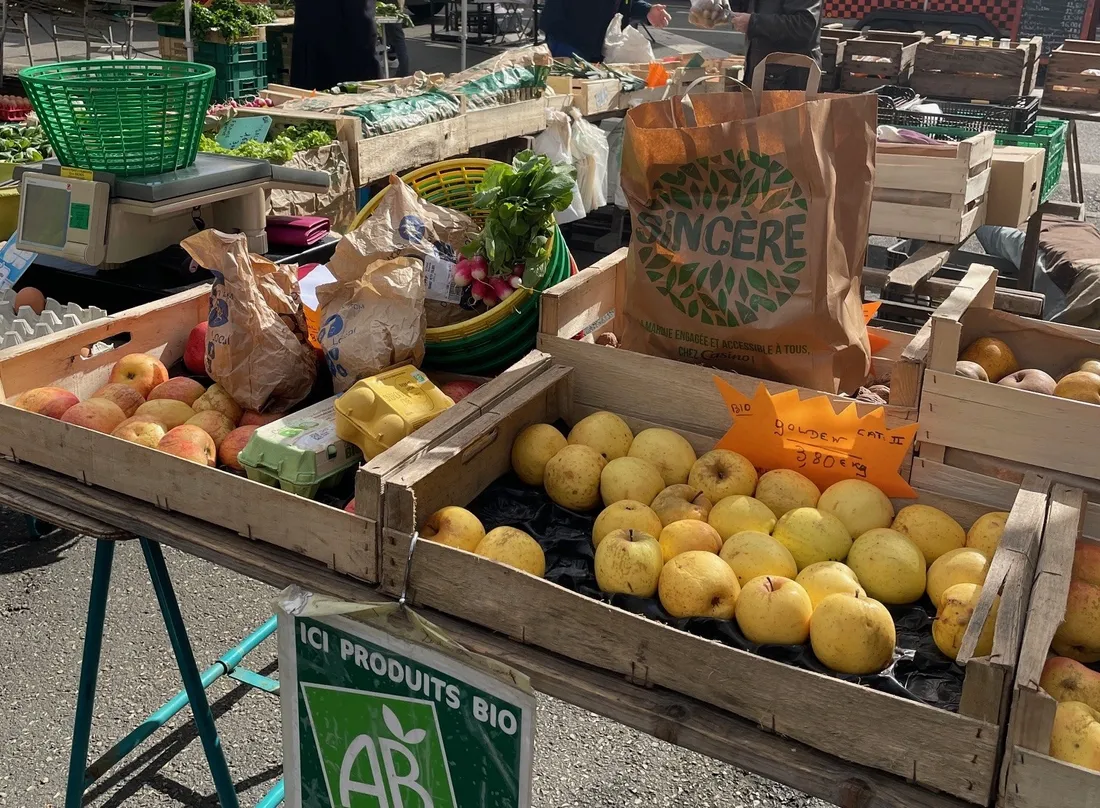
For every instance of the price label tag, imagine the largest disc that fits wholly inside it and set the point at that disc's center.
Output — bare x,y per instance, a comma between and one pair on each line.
241,130
439,280
809,436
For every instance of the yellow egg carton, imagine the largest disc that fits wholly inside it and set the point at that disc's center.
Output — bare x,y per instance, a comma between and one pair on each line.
380,410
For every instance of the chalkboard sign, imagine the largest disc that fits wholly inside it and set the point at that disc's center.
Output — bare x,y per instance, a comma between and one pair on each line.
1054,20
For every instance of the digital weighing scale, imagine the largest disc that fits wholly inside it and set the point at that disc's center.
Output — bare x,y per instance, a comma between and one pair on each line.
98,219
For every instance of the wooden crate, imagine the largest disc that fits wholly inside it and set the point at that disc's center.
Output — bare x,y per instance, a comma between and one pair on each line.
1066,83
997,430
832,55
931,192
345,542
876,58
965,72
956,754
1030,777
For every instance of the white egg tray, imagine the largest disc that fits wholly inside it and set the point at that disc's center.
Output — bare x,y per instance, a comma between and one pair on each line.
24,325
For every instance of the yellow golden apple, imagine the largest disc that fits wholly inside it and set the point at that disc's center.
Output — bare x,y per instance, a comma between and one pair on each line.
532,450
214,424
812,535
784,490
751,554
1086,562
964,565
141,431
953,617
630,478
629,562
669,451
511,546
1079,386
1075,736
932,530
985,534
180,388
1079,635
140,371
773,610
455,527
828,578
688,535
126,397
698,584
1088,366
889,566
858,504
605,432
721,473
1067,679
680,502
993,355
626,514
217,398
168,411
853,634
572,477
739,512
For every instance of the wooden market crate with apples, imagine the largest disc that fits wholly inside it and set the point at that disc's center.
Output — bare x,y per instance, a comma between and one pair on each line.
80,360
1040,417
1051,755
882,740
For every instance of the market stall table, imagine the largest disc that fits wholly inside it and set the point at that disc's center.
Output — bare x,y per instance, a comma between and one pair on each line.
662,713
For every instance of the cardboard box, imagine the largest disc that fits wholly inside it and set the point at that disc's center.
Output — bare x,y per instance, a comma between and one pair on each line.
1014,185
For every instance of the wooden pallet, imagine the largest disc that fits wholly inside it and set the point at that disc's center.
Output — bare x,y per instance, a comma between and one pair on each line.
957,754
1066,83
342,541
931,192
966,72
1030,778
875,59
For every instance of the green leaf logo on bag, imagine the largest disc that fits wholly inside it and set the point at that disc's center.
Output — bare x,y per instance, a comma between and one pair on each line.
391,754
724,237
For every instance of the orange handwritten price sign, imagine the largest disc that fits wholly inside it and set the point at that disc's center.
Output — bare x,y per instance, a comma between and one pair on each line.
809,436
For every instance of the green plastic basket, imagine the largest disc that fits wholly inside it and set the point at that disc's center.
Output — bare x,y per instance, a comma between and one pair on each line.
1048,135
130,118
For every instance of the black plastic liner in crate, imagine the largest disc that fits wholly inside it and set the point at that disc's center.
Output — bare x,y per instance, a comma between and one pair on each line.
1015,116
919,671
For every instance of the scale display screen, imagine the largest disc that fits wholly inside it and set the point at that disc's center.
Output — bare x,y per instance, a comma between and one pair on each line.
45,215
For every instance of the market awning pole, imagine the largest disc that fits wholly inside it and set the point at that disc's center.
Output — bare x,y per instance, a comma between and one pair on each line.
462,36
187,30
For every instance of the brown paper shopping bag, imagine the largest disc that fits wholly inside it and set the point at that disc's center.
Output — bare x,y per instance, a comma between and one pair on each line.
750,214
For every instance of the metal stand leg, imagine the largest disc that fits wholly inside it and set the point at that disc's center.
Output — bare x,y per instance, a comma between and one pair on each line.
1073,153
192,683
89,671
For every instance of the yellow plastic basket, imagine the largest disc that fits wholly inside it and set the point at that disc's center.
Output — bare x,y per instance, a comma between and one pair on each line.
451,184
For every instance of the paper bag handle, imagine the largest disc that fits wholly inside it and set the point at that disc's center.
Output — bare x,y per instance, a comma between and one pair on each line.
813,81
688,108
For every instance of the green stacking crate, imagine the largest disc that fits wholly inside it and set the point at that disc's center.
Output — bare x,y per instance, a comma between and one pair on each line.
236,89
1048,135
217,54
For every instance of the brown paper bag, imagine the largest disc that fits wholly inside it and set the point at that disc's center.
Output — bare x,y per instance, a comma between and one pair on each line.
393,279
337,204
750,213
256,329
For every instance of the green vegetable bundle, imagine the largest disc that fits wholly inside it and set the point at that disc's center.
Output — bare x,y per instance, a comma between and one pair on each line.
394,115
234,20
279,149
23,144
521,200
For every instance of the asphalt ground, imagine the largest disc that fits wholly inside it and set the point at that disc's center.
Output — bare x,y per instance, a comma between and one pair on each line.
582,760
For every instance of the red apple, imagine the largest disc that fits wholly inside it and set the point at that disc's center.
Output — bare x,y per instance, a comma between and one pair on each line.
251,417
126,397
49,401
140,371
233,444
99,414
190,443
194,355
457,391
350,507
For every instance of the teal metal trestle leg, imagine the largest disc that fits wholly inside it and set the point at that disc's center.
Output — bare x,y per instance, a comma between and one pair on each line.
81,776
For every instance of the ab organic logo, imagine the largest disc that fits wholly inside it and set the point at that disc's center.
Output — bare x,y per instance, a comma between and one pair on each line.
379,751
739,219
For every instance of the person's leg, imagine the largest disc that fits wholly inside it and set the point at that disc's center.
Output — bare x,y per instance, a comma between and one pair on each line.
395,36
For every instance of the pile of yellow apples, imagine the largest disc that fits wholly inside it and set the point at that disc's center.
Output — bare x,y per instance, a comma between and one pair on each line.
989,359
710,537
1075,736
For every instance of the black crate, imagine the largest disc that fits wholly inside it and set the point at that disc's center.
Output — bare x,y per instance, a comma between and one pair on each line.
1014,116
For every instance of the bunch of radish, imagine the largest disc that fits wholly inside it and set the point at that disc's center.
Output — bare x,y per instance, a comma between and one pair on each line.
490,290
252,103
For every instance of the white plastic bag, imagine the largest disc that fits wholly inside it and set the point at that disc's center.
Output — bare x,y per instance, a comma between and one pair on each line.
554,142
709,13
625,44
588,145
614,128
